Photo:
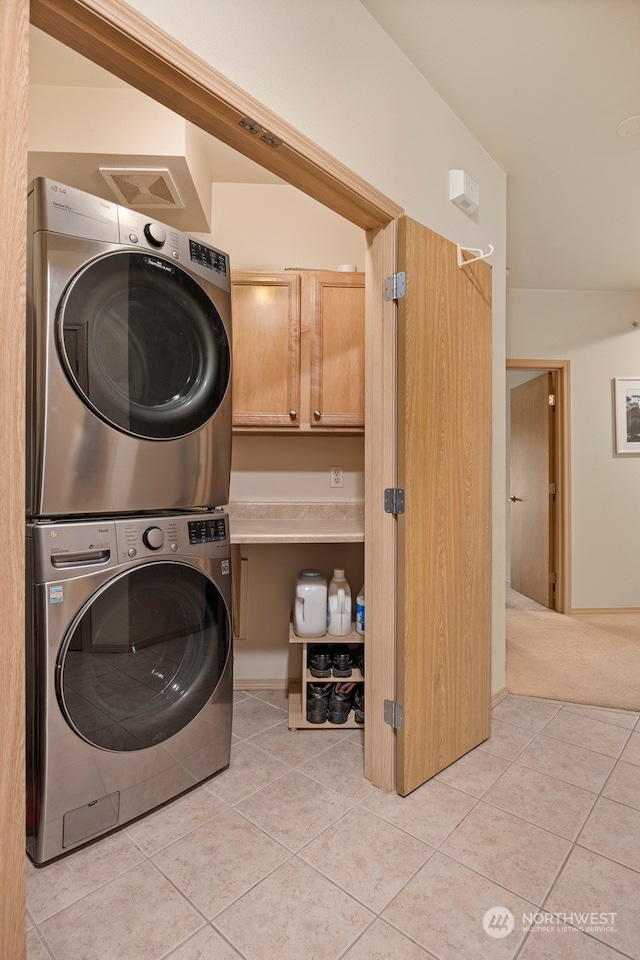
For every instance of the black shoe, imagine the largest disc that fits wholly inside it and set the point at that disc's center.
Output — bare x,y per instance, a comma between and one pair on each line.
340,702
341,661
360,659
358,703
318,695
320,660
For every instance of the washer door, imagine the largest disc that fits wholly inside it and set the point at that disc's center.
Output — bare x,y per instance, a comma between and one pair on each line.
143,656
143,345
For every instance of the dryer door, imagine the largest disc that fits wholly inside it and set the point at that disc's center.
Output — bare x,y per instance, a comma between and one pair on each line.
143,656
144,345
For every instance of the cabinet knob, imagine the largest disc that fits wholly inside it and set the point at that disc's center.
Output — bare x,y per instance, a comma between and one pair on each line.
293,414
317,415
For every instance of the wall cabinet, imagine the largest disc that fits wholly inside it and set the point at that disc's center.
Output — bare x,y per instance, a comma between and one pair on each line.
298,352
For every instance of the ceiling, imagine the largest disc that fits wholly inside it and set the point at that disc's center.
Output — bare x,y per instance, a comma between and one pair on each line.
543,86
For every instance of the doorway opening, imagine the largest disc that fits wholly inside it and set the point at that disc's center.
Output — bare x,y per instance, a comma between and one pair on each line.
538,464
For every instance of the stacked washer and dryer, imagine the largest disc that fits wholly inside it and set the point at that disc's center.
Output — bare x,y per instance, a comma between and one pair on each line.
129,636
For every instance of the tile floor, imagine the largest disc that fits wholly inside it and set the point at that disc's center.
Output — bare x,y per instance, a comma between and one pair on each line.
291,854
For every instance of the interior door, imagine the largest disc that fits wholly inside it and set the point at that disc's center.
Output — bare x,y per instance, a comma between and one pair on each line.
531,494
444,534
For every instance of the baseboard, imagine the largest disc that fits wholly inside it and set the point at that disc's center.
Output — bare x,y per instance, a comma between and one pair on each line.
498,697
585,611
260,684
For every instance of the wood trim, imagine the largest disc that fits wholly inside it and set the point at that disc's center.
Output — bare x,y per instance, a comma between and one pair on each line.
380,528
499,697
261,684
14,79
113,35
562,369
585,611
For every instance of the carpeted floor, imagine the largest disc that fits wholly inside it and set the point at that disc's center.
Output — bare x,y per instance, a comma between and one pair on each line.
591,658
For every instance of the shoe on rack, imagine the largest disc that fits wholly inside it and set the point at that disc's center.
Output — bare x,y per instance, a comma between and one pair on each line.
320,660
360,659
340,702
318,695
341,660
358,703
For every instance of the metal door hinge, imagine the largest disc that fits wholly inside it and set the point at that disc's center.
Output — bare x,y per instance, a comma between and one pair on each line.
394,500
552,399
394,286
393,714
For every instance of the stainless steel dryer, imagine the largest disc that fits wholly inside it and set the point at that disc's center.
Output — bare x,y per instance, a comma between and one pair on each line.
129,670
129,361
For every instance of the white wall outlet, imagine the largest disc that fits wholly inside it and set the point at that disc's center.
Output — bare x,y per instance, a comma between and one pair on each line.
336,477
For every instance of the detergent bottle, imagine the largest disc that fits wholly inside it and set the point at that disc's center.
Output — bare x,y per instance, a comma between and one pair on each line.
339,606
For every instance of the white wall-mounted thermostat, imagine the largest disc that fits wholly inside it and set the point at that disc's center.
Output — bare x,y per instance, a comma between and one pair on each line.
463,191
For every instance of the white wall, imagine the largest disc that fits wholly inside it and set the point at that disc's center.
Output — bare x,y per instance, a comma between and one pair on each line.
329,70
593,330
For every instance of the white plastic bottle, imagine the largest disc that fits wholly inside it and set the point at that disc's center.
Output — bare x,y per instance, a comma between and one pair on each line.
360,611
339,606
310,608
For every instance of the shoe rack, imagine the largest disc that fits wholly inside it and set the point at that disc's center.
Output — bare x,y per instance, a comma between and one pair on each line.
298,689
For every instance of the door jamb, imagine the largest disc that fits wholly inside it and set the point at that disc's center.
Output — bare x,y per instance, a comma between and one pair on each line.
563,479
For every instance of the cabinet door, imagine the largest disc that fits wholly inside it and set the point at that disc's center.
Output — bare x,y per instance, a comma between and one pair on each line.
266,349
336,320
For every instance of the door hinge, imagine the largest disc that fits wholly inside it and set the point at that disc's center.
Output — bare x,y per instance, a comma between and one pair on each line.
394,286
552,399
393,714
552,489
394,500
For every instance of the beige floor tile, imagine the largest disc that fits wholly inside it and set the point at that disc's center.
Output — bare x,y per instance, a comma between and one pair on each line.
253,716
239,695
501,847
430,813
443,909
577,765
205,945
613,829
175,820
250,770
560,943
530,714
382,942
624,784
294,809
341,768
294,746
585,732
139,915
367,857
551,804
316,921
35,948
57,885
474,773
588,883
218,862
506,740
631,753
277,698
619,718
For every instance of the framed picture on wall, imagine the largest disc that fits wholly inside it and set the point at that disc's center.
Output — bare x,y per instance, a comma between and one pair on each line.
627,409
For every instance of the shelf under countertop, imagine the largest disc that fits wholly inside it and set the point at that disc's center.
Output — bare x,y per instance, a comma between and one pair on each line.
296,522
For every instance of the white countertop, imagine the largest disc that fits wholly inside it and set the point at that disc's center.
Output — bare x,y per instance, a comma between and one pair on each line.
296,522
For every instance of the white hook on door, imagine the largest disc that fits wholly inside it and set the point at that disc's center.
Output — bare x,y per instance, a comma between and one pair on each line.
480,254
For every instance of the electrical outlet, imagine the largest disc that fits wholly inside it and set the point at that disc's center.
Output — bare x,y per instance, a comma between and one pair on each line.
336,477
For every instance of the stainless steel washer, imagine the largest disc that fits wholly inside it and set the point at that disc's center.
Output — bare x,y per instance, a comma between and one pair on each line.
129,670
129,361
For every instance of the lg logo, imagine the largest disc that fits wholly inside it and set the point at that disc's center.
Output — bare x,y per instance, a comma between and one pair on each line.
57,189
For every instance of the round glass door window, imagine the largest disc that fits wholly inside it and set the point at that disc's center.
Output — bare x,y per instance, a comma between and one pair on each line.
143,656
144,345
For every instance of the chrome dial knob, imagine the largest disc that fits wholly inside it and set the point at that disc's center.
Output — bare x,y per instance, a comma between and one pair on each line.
155,234
153,538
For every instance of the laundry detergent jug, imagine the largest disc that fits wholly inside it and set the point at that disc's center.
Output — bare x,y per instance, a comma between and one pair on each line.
310,608
339,606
